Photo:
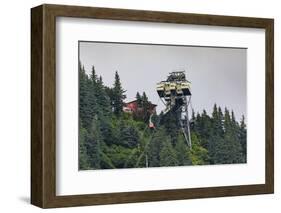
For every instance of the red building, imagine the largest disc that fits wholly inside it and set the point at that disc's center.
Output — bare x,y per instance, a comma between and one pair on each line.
132,107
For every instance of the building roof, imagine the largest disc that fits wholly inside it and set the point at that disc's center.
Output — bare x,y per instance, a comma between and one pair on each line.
136,101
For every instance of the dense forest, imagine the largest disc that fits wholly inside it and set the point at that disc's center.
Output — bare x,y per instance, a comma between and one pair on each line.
110,138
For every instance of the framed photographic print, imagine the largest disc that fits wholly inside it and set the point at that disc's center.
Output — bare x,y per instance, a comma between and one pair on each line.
136,106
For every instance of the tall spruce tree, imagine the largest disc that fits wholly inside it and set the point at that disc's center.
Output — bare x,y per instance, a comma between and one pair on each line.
229,150
93,74
168,156
145,107
155,147
87,99
139,99
182,152
130,137
243,138
198,154
118,95
138,114
217,121
171,125
102,98
94,141
203,127
83,156
216,134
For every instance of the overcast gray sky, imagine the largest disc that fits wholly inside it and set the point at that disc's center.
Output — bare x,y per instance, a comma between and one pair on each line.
217,75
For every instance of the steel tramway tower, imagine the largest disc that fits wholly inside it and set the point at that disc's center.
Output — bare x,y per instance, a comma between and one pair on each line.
176,95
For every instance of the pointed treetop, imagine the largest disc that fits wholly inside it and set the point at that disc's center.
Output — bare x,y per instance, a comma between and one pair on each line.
93,74
232,116
215,111
139,99
144,97
220,111
100,80
117,75
226,112
215,107
242,123
227,119
204,113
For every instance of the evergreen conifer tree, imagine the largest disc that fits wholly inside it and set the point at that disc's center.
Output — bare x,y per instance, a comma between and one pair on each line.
168,155
139,99
155,146
182,152
243,138
118,95
83,156
94,141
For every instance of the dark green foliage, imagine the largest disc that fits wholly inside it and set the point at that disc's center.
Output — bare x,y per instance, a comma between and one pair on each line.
139,99
168,156
199,155
83,155
171,125
129,136
203,127
118,96
110,138
87,100
232,150
93,76
107,130
182,152
243,138
217,121
145,107
119,155
154,147
94,141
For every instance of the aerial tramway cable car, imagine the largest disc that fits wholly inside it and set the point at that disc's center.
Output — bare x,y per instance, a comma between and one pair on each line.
150,123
